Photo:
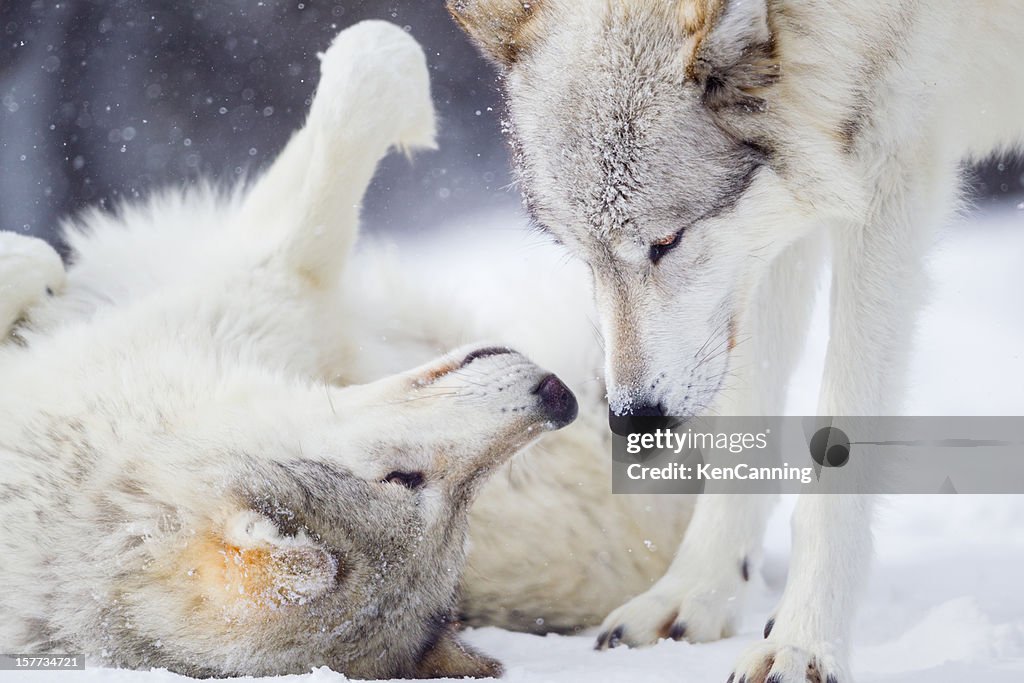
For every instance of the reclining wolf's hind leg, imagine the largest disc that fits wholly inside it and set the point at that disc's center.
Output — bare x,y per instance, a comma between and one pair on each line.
29,267
374,94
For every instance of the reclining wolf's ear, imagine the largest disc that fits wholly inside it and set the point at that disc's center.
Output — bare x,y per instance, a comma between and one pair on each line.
733,56
250,562
449,657
502,29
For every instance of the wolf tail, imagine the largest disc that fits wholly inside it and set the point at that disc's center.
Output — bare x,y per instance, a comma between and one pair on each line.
373,95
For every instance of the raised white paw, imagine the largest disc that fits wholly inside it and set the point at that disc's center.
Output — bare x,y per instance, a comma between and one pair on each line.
774,661
29,269
374,81
703,609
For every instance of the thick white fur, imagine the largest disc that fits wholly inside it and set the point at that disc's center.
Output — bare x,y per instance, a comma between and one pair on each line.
28,268
178,380
238,291
955,93
877,104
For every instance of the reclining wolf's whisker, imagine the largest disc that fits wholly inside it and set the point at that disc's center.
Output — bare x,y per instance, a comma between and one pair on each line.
411,399
466,380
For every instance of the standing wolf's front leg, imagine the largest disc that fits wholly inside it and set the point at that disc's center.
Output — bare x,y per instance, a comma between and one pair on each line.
877,284
700,596
29,267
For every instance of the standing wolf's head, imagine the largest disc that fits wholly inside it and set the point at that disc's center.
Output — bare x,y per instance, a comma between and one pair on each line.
646,138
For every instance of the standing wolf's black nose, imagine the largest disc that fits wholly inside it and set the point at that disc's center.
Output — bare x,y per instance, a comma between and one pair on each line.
637,418
558,402
644,410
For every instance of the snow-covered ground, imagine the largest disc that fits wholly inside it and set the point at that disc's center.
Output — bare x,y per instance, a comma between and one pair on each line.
945,602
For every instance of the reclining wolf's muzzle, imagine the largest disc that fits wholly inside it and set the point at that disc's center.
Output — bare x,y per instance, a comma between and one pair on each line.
558,402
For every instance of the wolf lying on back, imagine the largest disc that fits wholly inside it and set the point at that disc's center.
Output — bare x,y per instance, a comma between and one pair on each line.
180,491
183,489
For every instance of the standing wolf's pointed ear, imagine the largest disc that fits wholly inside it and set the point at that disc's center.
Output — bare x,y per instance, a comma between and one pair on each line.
449,657
502,29
733,56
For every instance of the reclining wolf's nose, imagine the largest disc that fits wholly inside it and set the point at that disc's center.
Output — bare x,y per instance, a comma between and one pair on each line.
558,402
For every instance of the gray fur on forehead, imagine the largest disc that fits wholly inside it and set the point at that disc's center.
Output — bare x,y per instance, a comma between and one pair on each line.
630,149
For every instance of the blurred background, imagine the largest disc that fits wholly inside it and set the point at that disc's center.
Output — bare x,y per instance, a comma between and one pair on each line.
102,100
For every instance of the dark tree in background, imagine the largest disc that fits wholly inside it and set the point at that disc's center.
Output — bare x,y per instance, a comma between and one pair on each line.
101,100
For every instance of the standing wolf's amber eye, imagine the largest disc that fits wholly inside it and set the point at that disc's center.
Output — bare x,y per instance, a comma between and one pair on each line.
662,247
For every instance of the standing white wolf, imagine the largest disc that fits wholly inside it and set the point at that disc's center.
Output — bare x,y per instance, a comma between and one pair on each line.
696,154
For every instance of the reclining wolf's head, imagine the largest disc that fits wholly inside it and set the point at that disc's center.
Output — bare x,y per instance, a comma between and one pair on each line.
646,138
333,534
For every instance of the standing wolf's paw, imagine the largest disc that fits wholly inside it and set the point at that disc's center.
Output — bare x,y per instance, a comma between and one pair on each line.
701,610
29,268
779,662
374,81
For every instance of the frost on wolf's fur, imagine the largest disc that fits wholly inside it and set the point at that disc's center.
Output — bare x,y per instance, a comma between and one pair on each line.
943,604
550,550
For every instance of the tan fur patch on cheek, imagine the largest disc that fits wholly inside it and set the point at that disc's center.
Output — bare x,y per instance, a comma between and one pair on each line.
231,576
